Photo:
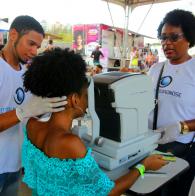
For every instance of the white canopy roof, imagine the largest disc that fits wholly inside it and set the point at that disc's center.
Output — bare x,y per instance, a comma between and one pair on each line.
4,26
135,3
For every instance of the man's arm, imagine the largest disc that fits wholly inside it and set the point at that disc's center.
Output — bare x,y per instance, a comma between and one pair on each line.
35,106
8,119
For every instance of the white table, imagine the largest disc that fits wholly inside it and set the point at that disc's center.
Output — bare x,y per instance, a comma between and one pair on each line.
152,182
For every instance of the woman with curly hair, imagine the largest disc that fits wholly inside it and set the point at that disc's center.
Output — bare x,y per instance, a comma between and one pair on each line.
175,82
56,161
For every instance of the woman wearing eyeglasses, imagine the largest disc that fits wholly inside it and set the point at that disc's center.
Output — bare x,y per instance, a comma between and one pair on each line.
174,88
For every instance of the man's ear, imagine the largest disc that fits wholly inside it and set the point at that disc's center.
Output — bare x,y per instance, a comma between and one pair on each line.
13,34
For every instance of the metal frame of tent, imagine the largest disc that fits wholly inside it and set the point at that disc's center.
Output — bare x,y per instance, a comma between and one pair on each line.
128,6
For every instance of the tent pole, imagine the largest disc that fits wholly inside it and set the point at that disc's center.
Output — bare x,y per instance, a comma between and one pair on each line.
127,9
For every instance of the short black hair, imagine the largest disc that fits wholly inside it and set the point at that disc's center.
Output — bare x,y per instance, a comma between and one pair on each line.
50,41
183,19
56,73
23,24
99,66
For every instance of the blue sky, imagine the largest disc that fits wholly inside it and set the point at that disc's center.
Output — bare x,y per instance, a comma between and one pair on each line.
91,11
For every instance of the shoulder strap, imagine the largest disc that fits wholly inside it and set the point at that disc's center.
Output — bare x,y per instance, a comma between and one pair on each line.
155,118
192,141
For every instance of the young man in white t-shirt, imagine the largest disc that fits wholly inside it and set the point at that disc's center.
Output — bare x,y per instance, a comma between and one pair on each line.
25,37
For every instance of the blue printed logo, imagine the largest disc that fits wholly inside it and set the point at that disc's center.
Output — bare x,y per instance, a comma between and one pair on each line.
19,96
165,81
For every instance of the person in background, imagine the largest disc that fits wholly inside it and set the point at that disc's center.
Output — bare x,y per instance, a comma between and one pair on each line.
56,161
141,62
117,63
25,37
176,103
150,59
134,56
50,45
156,56
97,70
79,43
96,55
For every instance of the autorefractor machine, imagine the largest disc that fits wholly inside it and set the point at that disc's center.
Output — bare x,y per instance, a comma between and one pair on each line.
118,108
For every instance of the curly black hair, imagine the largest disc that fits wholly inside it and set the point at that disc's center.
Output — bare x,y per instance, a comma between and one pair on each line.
56,73
183,19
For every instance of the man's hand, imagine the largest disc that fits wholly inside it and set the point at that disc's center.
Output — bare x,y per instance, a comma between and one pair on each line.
37,106
169,133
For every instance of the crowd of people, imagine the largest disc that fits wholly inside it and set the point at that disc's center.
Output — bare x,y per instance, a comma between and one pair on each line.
57,162
143,58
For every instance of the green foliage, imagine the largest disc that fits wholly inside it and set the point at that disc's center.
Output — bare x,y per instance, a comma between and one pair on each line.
64,31
67,37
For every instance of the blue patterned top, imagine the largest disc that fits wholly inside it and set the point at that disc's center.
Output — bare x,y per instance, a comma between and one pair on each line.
53,176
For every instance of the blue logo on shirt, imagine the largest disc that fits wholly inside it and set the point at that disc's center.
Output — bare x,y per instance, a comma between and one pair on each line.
165,81
19,96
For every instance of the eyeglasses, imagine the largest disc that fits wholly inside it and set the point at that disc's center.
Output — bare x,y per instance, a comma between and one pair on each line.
172,37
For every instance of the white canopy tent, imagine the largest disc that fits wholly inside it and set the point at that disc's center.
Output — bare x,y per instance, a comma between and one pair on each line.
136,2
4,26
128,6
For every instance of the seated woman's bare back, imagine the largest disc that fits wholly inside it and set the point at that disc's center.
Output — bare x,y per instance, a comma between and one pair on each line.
55,142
